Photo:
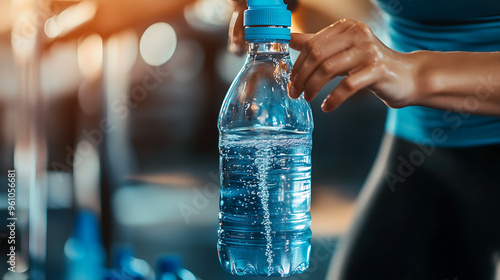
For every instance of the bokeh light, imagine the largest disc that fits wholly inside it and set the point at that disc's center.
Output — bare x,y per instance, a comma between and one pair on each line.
90,56
158,43
209,15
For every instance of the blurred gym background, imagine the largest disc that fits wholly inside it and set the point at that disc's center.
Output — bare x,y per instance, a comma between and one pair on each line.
111,106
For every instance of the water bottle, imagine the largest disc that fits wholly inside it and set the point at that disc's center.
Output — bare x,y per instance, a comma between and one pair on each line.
265,147
84,255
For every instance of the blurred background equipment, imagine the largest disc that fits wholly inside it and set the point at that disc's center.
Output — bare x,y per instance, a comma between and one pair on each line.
84,255
110,106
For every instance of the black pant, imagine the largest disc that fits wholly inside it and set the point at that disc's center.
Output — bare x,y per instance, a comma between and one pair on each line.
425,213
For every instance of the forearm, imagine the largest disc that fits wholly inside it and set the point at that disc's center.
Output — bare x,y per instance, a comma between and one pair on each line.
463,82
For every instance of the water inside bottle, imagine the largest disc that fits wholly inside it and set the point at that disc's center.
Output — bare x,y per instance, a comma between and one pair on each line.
265,200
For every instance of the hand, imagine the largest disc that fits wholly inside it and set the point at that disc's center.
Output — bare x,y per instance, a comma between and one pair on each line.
349,48
237,42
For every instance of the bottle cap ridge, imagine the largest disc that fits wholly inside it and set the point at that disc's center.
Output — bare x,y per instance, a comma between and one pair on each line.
267,19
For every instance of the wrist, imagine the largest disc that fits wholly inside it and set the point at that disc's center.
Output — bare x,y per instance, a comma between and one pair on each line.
427,78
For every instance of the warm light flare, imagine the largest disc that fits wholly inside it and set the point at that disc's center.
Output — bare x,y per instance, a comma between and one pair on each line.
90,56
70,18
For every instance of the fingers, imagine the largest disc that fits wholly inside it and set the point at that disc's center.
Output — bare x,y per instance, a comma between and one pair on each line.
311,61
299,40
237,42
316,50
317,43
337,65
349,86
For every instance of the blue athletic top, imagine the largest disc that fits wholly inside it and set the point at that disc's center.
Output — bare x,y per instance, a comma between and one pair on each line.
444,25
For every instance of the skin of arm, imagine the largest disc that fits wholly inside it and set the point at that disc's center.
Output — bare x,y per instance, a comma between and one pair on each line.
463,82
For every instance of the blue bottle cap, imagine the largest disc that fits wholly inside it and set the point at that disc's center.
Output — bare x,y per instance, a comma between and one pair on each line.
267,20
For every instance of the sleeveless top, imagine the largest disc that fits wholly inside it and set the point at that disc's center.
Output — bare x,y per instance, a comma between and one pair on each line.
444,25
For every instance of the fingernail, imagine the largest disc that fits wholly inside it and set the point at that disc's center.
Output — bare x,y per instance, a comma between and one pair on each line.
324,106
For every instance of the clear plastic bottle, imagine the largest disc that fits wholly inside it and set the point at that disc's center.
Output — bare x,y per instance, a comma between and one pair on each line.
265,156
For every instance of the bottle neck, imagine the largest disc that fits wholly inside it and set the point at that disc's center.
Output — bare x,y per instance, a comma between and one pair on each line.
278,47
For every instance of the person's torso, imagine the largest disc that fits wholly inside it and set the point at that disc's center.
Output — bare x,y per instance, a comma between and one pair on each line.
444,25
442,12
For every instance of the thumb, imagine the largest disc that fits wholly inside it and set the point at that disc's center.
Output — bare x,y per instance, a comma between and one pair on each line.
299,40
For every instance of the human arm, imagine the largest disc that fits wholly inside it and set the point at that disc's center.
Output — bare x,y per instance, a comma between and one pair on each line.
464,82
457,81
